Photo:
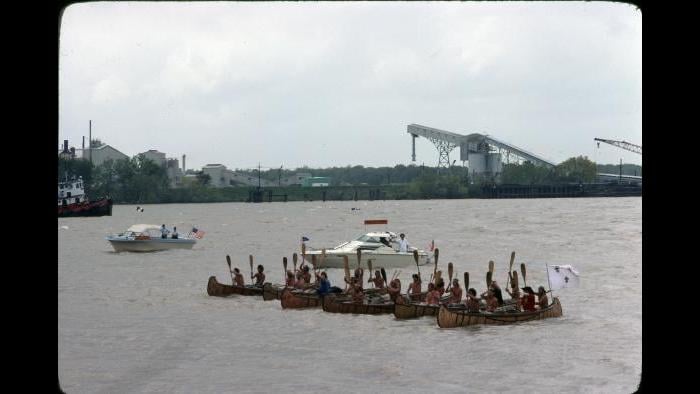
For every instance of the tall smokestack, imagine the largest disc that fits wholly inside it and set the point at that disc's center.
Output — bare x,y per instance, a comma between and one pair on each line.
183,164
65,146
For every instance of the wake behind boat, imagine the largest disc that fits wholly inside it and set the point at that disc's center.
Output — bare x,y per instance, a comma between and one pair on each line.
380,247
147,238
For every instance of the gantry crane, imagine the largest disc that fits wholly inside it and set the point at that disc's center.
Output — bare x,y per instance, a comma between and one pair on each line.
621,144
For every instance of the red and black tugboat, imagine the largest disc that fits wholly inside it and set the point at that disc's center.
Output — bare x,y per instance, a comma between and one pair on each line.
72,201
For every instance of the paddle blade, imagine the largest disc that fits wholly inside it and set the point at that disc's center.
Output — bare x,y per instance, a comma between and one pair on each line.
303,250
294,258
346,265
491,267
515,279
284,263
359,257
383,274
449,271
436,254
228,260
488,279
369,267
512,259
415,256
522,269
466,282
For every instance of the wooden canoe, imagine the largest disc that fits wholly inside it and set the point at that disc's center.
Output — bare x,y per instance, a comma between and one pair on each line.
297,299
272,292
405,310
449,318
335,305
214,288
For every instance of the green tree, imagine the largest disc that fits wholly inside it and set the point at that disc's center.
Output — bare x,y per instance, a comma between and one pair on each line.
203,179
576,169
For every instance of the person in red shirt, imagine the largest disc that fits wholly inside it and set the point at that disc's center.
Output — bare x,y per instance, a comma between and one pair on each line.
528,300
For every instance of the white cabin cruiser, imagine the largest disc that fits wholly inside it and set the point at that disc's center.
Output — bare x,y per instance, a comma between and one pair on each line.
380,247
147,238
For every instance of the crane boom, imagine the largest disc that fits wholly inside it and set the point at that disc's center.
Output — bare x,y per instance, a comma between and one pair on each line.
622,144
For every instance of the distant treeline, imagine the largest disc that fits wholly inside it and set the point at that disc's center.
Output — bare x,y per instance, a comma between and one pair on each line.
139,180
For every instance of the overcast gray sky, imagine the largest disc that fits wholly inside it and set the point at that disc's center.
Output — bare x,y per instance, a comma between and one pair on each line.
336,84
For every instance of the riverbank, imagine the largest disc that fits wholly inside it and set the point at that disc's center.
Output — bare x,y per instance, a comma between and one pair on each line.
392,192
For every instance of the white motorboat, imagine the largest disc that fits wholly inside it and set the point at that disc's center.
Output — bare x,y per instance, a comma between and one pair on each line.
147,238
380,247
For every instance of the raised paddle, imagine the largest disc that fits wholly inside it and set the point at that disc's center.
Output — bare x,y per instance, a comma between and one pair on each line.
359,257
346,265
449,274
384,277
284,264
250,258
436,254
228,261
488,280
415,257
294,259
369,268
512,259
491,267
522,269
466,283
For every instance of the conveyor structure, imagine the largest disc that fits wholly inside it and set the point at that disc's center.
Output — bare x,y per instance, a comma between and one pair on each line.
485,154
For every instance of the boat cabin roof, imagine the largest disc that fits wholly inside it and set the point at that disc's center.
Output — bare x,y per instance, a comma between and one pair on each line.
376,236
142,228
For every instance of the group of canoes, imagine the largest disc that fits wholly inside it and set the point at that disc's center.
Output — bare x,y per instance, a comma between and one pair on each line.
385,297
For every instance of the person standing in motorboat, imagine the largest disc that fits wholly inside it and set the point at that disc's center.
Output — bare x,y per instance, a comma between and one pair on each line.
164,232
403,243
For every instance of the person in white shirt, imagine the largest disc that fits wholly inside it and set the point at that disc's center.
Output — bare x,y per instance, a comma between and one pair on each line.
403,243
164,232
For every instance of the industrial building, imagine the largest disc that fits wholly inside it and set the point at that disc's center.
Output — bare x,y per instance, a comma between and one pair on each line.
482,154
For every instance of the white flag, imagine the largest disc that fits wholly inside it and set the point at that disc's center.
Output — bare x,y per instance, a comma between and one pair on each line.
562,276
